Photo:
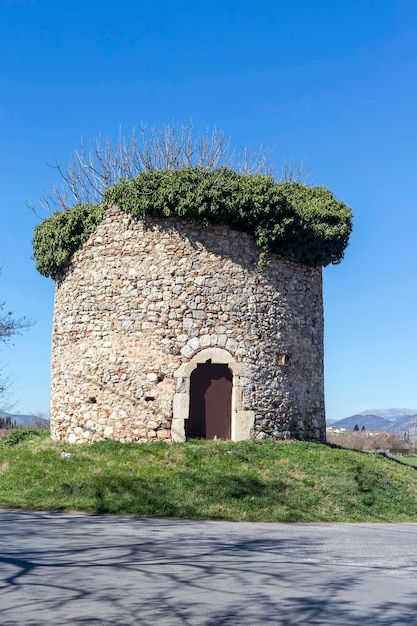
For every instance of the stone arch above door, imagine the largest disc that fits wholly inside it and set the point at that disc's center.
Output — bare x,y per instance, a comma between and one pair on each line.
242,419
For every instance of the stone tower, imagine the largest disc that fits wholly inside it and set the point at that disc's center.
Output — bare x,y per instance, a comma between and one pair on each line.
167,329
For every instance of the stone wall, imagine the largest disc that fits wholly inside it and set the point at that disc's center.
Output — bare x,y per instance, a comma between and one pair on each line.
143,302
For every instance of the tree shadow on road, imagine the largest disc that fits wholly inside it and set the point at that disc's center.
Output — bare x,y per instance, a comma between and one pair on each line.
74,569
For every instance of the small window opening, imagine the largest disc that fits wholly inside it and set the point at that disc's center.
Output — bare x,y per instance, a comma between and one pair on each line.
282,358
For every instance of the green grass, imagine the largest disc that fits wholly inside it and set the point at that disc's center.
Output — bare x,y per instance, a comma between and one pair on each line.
408,460
248,480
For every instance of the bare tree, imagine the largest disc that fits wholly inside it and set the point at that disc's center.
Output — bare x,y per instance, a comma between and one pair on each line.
291,173
40,419
9,326
94,169
369,441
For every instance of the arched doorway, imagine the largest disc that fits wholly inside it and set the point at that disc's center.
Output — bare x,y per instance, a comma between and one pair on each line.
210,402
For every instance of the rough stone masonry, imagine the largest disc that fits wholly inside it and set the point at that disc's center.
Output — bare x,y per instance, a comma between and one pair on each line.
142,303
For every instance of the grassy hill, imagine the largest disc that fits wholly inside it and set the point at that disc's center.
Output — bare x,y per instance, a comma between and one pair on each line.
248,480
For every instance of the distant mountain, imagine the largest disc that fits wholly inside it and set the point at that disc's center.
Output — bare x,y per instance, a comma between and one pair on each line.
407,423
390,414
387,420
21,420
330,422
371,422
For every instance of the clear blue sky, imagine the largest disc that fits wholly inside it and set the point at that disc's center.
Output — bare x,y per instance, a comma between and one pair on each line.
330,83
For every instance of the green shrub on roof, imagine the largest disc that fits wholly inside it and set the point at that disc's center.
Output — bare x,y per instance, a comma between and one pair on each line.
293,220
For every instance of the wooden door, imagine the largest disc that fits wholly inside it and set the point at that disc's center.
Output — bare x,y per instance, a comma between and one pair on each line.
210,402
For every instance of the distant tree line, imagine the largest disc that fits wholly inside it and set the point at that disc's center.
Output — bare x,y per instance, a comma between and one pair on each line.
366,441
6,422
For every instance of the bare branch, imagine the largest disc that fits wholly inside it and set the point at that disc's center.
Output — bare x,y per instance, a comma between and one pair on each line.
9,326
91,171
291,173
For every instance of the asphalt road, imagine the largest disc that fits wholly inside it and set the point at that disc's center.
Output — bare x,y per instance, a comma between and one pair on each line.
64,569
